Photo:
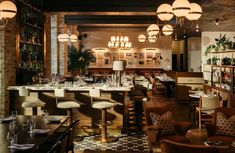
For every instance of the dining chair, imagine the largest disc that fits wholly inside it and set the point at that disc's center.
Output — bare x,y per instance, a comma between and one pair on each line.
207,105
64,102
103,106
32,103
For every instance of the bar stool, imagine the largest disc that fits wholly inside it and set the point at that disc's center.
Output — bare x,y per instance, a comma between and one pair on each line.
103,105
65,103
34,104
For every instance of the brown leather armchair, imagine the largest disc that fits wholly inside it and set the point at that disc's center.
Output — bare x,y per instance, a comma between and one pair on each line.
211,127
168,146
153,132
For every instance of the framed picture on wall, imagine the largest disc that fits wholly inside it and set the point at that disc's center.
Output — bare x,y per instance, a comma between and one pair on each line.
130,63
121,55
135,55
115,56
149,55
149,62
106,61
141,55
106,54
141,62
128,54
100,63
100,55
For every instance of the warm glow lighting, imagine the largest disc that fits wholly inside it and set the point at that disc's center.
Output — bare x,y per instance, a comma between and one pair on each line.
73,38
167,30
152,39
7,9
195,12
63,37
153,30
181,8
164,12
141,38
119,42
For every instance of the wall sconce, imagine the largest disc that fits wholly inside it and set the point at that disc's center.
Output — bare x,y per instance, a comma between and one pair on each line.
217,21
7,10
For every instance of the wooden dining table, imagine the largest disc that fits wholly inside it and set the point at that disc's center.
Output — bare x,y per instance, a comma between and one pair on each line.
24,137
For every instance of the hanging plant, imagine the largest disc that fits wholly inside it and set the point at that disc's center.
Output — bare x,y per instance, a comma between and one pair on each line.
226,61
212,61
211,48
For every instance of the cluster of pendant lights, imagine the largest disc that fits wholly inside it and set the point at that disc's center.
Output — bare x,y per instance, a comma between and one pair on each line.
165,12
65,37
7,10
119,42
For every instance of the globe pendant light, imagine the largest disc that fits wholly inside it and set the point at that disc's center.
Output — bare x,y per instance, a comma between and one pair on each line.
152,38
153,30
181,8
167,30
73,38
7,9
141,38
195,12
164,12
63,37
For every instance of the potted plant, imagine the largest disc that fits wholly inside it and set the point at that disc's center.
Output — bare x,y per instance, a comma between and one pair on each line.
211,48
226,61
212,61
79,59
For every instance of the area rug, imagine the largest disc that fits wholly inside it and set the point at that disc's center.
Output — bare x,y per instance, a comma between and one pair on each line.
125,143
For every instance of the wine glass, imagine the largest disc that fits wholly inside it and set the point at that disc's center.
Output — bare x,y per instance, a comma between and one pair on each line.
11,138
45,114
31,125
14,114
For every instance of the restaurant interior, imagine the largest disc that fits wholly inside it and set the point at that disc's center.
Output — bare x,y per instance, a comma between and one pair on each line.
129,76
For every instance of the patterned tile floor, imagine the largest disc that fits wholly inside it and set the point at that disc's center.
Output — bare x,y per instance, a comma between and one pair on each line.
125,143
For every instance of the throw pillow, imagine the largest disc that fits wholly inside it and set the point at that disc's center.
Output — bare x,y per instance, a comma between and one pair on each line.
225,126
165,123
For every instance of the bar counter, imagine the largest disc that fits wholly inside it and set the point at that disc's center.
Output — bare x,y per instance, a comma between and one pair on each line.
88,116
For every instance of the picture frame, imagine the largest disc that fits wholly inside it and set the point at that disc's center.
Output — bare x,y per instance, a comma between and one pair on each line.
149,55
107,54
141,55
141,62
100,55
121,55
128,54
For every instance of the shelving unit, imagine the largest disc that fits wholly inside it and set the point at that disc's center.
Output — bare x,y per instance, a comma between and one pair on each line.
30,51
219,73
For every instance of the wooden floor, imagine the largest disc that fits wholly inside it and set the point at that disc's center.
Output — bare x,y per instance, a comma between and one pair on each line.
180,113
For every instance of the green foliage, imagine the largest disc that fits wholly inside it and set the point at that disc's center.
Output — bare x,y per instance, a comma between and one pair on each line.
212,61
220,44
79,59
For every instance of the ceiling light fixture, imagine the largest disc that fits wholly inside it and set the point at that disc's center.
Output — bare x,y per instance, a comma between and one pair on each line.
141,38
119,42
7,10
181,9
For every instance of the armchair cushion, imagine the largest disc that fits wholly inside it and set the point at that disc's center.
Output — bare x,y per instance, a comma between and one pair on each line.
224,125
165,123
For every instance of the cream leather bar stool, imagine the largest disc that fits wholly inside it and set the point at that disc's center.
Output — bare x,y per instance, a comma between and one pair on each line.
66,103
103,105
34,104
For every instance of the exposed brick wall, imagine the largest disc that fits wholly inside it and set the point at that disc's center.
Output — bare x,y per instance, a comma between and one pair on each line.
7,63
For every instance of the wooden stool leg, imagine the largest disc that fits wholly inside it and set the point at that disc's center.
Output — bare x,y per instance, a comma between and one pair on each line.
104,124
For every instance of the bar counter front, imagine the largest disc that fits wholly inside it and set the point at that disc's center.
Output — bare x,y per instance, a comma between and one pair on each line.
88,116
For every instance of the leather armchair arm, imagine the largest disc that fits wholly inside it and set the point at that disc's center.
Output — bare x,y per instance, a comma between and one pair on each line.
182,127
152,135
211,129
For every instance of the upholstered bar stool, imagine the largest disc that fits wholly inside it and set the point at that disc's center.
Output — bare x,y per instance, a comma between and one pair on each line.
103,105
65,103
34,104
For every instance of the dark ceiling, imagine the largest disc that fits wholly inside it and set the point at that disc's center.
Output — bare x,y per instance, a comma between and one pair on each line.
100,14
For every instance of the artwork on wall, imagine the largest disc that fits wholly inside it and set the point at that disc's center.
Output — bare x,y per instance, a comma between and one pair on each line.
135,55
100,63
128,54
149,62
106,54
141,62
121,55
149,55
130,63
115,56
100,55
106,61
141,55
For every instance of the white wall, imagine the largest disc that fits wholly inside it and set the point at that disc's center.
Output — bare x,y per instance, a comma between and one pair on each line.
99,39
194,54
